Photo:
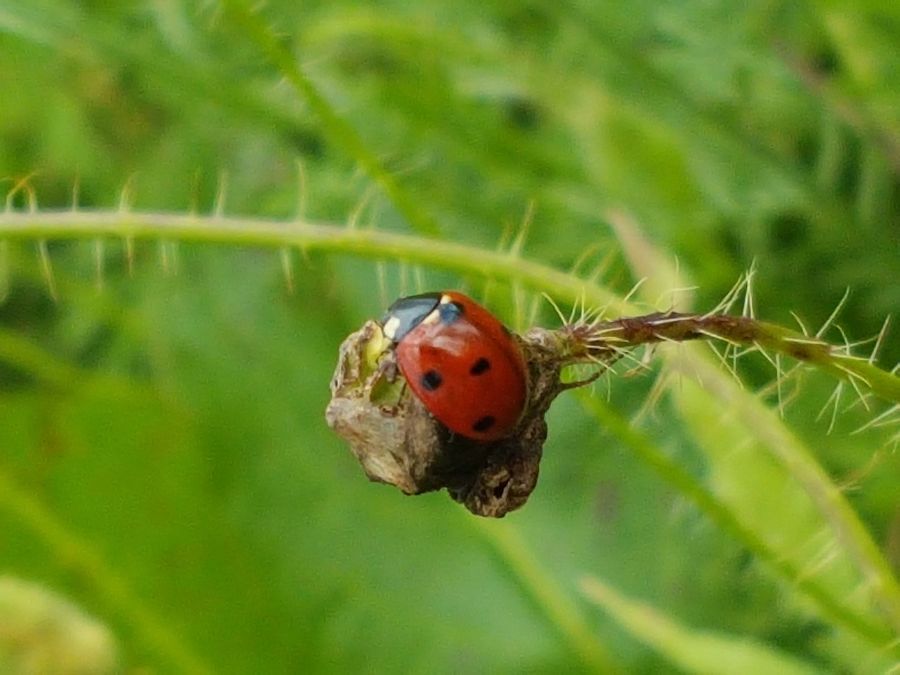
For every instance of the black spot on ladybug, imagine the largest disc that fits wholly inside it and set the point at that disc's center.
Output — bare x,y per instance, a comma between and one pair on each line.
431,380
482,365
484,423
450,311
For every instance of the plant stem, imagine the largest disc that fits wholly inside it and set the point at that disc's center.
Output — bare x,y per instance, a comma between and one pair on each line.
339,130
369,243
514,551
604,339
719,512
378,244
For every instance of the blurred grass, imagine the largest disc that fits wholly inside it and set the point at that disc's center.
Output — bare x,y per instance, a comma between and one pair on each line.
172,421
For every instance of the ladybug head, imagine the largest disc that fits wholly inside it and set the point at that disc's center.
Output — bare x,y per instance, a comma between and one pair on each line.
407,313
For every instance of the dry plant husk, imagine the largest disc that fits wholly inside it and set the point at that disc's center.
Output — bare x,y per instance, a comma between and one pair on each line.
398,442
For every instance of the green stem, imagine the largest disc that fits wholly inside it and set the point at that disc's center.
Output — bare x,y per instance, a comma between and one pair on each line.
826,357
604,339
339,130
792,453
369,243
717,511
550,598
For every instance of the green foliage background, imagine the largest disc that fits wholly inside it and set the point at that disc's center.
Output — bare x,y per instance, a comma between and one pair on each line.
164,455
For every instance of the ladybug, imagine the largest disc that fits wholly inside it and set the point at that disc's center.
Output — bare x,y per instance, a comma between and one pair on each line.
461,362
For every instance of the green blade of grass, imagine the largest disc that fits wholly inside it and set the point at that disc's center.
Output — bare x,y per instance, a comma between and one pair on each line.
688,649
560,610
725,517
724,397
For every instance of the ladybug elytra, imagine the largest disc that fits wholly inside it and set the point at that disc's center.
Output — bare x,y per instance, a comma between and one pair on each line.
461,362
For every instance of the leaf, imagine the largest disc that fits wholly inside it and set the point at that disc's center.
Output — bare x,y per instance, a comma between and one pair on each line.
691,650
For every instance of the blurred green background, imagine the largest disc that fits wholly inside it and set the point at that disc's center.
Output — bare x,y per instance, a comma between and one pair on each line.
161,428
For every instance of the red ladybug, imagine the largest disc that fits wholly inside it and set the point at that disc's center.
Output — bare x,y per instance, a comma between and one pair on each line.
460,361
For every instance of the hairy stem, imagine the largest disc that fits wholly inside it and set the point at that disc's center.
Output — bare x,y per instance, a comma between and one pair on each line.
604,339
376,244
368,243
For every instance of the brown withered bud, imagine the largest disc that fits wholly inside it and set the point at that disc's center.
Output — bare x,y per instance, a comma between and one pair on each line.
397,441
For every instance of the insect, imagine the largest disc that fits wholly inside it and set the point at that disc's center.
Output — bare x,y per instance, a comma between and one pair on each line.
461,362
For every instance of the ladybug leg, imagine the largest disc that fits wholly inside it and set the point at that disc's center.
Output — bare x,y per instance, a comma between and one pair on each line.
388,372
388,369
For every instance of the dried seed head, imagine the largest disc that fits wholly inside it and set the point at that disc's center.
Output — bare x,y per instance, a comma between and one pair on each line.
398,442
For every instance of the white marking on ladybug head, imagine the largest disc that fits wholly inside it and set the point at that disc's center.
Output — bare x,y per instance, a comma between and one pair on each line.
433,317
446,299
390,327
